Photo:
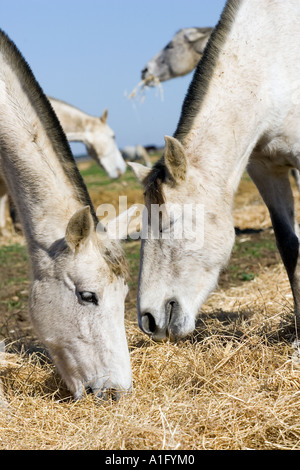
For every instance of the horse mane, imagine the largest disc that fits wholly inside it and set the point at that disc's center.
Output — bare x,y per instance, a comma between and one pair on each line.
48,118
205,69
115,258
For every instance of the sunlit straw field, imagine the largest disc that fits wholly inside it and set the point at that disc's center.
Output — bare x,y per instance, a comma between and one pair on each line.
233,384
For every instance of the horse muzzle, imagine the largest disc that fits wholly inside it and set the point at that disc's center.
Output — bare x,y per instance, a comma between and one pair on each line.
102,391
169,323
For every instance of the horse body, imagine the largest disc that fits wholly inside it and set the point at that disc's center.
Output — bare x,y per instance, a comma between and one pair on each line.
241,110
134,153
94,132
78,286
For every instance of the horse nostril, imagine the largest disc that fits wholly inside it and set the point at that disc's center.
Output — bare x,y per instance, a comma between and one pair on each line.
88,389
148,323
144,71
109,394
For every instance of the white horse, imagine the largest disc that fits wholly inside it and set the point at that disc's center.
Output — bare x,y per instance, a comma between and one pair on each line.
78,281
242,110
94,133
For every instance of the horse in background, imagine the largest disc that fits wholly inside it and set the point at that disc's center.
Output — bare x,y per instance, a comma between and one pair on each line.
94,133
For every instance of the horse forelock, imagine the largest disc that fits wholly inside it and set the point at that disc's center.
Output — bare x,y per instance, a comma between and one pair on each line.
153,190
115,258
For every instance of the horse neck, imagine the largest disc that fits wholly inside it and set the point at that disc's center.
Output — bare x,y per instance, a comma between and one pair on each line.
233,107
43,188
75,122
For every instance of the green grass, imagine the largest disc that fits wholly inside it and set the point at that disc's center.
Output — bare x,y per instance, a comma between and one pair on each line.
95,177
249,255
14,290
13,265
132,252
255,249
19,252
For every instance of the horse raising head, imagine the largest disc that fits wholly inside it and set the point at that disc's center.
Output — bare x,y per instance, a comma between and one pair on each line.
179,57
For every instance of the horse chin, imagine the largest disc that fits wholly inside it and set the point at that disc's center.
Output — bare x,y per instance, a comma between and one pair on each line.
107,384
149,80
113,164
175,332
152,79
181,327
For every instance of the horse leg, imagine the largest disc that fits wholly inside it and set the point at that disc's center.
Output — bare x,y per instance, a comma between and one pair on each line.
296,176
3,203
275,189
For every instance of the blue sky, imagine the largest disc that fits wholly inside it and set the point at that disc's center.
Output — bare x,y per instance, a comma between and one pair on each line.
90,53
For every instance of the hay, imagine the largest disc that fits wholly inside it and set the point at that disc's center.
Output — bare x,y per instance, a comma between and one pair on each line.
213,391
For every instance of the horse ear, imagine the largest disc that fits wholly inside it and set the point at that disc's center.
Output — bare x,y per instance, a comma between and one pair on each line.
199,38
79,228
193,35
140,171
175,159
104,116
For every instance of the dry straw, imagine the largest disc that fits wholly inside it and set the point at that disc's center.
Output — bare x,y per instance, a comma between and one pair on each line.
139,90
231,385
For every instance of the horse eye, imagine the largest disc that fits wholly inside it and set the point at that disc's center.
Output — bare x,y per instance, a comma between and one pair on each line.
89,297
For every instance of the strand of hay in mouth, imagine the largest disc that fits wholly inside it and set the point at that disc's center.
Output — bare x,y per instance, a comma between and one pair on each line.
139,91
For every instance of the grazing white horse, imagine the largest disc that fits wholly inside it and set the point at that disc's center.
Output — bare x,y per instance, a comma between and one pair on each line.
78,281
242,110
95,134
